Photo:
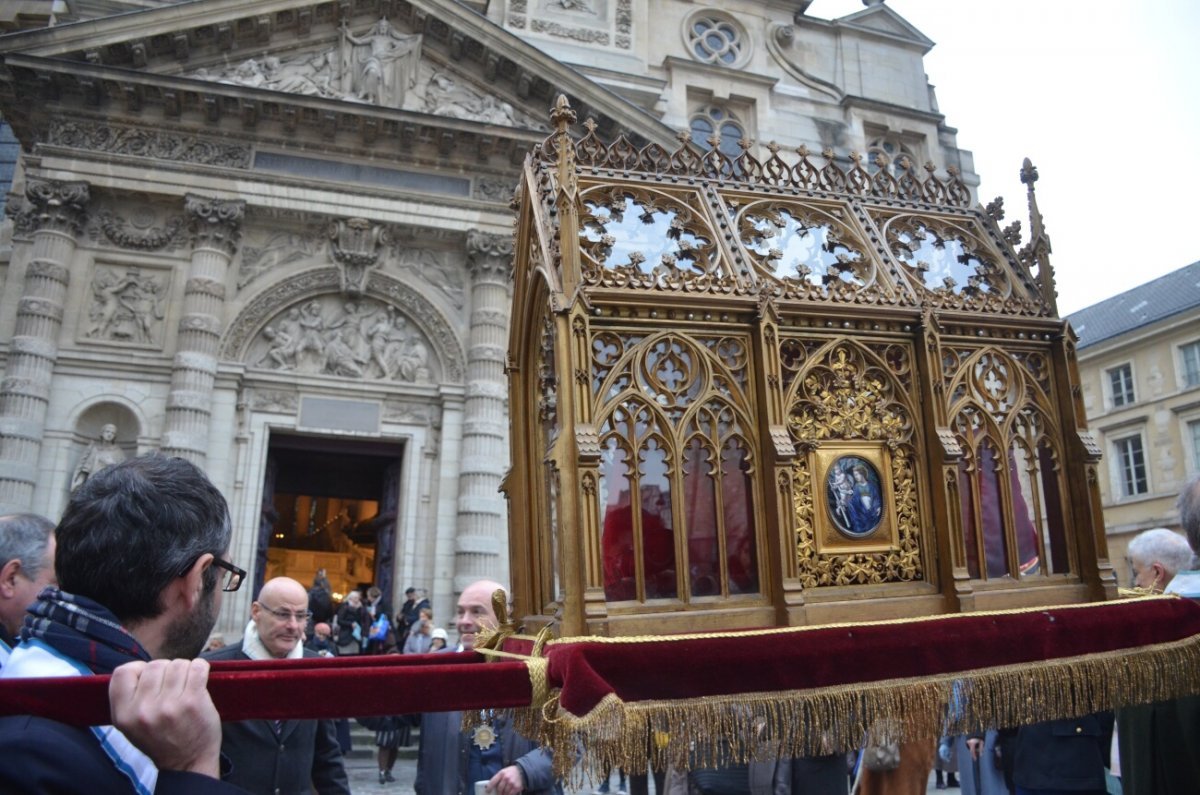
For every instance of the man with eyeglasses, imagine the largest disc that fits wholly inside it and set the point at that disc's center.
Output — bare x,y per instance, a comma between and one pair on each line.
289,756
141,570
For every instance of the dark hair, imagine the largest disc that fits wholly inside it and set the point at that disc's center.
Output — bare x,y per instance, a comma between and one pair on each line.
24,537
1189,512
133,527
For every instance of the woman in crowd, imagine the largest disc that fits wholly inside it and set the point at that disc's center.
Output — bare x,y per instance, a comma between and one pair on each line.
353,625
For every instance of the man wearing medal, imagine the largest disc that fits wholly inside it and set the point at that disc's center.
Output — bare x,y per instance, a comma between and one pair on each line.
451,761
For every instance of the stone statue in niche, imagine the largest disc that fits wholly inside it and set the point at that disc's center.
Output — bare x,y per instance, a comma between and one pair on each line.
101,453
357,339
445,97
126,307
379,66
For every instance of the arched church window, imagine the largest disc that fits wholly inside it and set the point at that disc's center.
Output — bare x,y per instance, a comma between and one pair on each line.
893,150
710,119
715,38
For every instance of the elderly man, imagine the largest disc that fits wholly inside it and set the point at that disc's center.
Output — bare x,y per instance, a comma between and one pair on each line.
26,567
141,565
1160,743
290,755
450,761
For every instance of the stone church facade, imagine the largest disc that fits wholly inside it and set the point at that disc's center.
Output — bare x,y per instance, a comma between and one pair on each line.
238,229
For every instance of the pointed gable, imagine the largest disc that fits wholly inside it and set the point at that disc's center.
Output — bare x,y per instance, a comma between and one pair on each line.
881,19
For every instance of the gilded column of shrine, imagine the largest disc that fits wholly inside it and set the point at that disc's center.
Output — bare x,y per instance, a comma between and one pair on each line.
216,227
58,210
481,509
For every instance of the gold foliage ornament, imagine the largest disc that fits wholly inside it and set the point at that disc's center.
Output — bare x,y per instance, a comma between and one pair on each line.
848,395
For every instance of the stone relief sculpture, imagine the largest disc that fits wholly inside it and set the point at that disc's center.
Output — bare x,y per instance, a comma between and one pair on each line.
434,268
358,339
315,74
275,251
446,97
380,65
99,454
126,307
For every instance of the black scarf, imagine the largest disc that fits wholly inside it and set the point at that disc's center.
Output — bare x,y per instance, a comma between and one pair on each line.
81,629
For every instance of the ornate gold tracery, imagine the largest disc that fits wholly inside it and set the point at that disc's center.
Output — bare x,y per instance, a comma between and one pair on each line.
676,468
847,392
1010,475
764,389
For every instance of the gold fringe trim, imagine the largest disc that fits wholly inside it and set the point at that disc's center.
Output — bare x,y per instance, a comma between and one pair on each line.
704,732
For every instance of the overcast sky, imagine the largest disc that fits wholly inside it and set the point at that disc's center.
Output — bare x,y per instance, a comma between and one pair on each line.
1103,96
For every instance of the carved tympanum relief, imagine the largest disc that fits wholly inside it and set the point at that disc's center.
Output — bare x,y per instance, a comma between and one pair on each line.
381,66
445,96
363,339
377,66
128,304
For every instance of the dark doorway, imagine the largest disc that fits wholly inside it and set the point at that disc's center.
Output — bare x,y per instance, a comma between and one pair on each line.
329,504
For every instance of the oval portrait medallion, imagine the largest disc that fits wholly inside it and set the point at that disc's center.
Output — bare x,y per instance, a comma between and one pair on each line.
854,496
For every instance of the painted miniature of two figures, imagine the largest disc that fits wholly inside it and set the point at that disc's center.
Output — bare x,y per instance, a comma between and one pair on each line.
853,493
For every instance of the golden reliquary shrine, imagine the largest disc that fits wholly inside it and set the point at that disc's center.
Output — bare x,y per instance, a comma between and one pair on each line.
785,389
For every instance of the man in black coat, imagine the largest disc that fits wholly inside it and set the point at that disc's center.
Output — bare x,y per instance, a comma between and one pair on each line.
290,756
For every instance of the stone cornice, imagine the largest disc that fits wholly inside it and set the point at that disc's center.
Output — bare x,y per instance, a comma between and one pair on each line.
173,38
39,87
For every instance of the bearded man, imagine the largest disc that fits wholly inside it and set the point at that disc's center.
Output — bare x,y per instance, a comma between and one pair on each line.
141,569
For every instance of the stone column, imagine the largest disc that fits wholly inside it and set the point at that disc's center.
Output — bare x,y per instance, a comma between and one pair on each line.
216,228
58,210
481,509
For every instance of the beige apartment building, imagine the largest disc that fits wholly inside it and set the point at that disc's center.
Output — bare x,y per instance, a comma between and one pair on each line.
274,236
1139,363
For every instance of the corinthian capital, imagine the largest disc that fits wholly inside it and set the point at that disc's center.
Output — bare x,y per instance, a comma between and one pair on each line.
58,205
489,255
215,222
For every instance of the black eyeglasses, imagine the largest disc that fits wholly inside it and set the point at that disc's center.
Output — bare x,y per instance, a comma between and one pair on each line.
233,575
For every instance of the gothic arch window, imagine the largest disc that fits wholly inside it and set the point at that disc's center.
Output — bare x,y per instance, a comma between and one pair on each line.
892,149
715,119
714,37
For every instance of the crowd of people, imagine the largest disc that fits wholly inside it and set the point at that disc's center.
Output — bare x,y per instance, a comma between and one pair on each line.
131,580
